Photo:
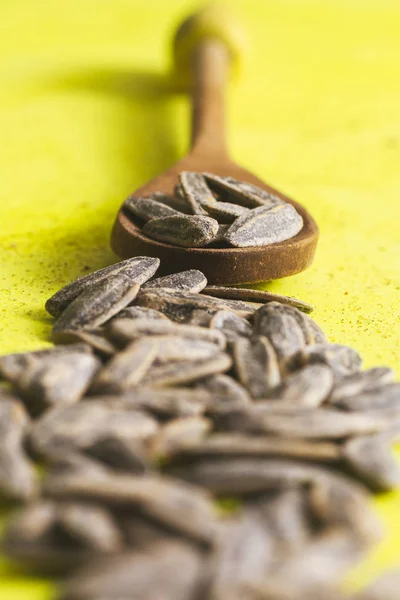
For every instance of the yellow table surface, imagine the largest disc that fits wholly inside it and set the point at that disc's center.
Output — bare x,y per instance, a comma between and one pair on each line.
86,115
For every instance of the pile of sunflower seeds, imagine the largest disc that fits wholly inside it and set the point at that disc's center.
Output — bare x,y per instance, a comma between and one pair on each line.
209,210
196,443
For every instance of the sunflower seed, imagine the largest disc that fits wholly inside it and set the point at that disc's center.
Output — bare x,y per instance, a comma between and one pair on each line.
386,587
174,348
225,392
90,526
179,431
159,498
61,379
141,532
363,382
182,372
164,403
95,339
318,424
256,365
139,269
191,231
12,366
232,326
81,425
176,201
245,194
288,517
371,459
244,555
140,312
168,569
125,330
148,208
17,474
309,386
242,476
242,446
97,304
280,327
119,454
265,225
192,281
127,367
179,306
195,190
342,360
250,295
225,212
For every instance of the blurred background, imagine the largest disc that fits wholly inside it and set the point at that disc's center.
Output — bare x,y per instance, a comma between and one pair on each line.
89,111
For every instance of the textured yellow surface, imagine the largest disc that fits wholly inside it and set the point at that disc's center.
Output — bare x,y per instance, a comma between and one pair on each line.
87,114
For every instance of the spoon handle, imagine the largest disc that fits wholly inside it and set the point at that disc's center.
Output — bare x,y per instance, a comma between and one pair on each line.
210,67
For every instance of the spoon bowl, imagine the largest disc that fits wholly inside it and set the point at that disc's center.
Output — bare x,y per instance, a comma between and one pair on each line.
210,61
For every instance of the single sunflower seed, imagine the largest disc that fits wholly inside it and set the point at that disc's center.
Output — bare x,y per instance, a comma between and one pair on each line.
225,212
265,225
343,360
275,322
94,339
58,380
182,372
190,231
372,460
250,295
256,365
370,383
128,367
308,387
195,190
231,325
192,281
12,366
97,304
148,208
17,475
139,269
245,194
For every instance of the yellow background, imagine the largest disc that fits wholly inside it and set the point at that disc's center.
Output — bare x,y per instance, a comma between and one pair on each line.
87,114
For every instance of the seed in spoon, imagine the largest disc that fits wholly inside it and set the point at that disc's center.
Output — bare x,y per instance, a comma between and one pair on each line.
245,194
265,225
147,208
196,191
191,231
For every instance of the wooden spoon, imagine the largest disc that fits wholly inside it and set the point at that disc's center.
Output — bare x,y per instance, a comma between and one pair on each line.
210,63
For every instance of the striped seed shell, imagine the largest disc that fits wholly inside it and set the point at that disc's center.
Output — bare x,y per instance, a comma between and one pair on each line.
250,295
192,281
60,380
195,190
139,269
148,208
282,329
256,365
358,383
98,303
188,231
128,367
264,225
245,194
183,372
